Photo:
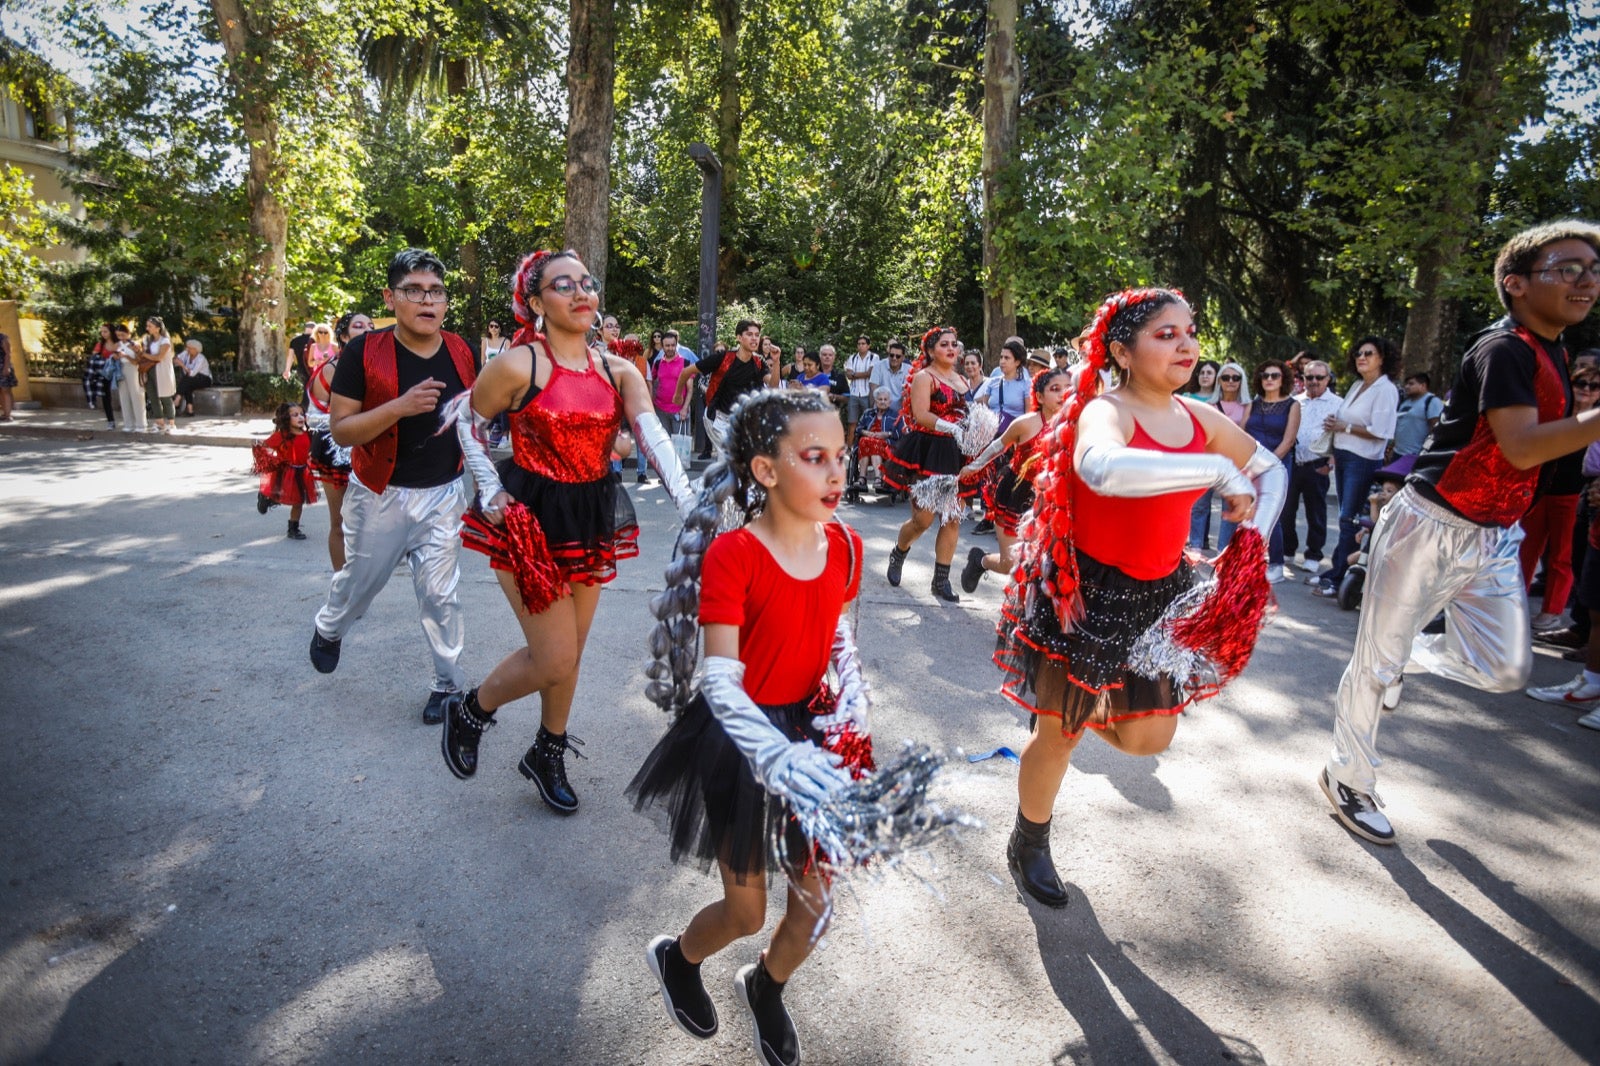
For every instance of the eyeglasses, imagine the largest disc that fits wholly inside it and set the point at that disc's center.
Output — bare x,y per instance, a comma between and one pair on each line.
1230,378
418,295
1571,271
1316,377
565,286
1588,384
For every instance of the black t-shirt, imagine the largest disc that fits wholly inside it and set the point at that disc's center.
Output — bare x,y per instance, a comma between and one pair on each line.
422,459
839,385
742,377
1460,465
298,346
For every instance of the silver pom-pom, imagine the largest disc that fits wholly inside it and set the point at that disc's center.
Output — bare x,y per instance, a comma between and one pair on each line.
1155,653
977,429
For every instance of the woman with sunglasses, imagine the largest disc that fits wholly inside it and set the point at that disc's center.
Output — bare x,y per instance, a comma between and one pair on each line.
553,518
1362,428
1274,422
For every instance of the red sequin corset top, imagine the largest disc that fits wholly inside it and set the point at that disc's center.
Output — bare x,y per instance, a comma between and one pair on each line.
943,402
566,432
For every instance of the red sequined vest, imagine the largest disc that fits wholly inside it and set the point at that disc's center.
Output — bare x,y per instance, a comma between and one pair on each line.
373,462
566,432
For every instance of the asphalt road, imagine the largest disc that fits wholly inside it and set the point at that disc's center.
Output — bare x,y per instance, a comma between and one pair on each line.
212,854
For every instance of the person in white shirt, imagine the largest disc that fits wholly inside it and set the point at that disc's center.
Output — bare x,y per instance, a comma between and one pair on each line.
1362,428
1308,482
892,373
858,372
194,374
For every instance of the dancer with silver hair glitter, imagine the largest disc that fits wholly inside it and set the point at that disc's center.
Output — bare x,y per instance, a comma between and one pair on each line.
554,518
764,741
1103,626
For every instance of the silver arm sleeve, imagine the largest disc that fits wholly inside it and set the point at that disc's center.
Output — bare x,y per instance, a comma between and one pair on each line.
797,772
472,430
1123,471
650,435
1271,480
855,696
948,428
985,457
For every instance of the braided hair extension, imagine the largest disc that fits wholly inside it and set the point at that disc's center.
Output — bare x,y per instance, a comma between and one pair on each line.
924,357
525,285
756,426
1049,557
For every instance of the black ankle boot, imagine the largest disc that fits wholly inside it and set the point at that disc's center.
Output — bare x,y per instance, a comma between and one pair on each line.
684,994
464,723
941,584
973,572
263,503
1028,856
776,1041
294,531
545,765
897,559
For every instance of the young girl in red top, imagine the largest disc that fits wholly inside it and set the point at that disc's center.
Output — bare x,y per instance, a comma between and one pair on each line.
749,752
554,518
1009,498
283,461
1100,626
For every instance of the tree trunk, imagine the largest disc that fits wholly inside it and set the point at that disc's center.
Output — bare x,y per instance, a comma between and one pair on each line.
1002,87
471,325
591,115
263,308
1470,144
730,119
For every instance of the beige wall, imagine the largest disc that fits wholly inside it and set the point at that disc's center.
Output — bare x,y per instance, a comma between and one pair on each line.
12,328
43,161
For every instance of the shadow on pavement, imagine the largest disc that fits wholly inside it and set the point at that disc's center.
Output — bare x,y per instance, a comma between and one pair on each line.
1085,966
1566,1010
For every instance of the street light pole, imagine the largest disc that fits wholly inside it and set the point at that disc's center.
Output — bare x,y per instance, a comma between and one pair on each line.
710,230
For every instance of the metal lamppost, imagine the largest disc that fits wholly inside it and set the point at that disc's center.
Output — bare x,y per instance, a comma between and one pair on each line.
710,229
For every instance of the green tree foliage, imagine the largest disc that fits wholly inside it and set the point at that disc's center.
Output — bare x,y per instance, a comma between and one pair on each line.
25,225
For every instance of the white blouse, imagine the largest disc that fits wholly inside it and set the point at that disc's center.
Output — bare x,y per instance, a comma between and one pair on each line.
1374,408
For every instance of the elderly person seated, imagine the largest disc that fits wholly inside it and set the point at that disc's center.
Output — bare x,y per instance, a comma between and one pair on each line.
193,373
876,435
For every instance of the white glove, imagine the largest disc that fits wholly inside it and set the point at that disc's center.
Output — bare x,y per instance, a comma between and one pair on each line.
798,772
1123,471
1271,482
651,436
948,428
855,696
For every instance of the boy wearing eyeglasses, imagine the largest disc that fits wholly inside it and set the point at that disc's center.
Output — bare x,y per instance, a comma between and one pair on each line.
406,492
1449,540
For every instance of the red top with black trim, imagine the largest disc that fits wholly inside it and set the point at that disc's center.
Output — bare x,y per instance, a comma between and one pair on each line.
566,431
1141,536
785,625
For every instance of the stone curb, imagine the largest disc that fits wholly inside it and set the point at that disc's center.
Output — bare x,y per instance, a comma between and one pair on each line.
23,429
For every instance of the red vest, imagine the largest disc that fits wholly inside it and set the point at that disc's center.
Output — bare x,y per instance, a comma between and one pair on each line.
714,382
373,462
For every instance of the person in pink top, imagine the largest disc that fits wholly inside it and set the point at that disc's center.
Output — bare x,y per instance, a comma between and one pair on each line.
667,370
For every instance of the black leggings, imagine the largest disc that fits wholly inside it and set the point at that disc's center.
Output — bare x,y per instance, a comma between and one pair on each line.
106,396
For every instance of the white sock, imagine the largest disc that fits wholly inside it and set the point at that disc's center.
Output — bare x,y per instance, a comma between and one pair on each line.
1591,678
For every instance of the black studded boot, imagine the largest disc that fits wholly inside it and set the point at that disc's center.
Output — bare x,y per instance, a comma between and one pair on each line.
545,765
897,559
972,573
294,532
1028,856
941,584
464,723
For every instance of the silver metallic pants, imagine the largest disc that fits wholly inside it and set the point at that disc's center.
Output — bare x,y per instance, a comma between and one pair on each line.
422,527
1423,559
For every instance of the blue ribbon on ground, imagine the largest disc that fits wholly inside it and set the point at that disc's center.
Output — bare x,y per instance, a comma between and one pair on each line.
1002,751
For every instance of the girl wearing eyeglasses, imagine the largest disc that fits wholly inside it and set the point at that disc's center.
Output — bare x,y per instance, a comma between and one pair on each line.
554,518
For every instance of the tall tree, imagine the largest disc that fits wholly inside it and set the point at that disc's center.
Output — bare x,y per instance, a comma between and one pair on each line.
730,124
1002,88
591,119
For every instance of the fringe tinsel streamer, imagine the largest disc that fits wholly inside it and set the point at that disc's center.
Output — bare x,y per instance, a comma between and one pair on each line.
1206,637
520,549
941,494
978,430
265,461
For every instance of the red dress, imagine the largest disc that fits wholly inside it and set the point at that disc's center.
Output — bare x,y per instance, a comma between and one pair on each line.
283,463
924,453
582,521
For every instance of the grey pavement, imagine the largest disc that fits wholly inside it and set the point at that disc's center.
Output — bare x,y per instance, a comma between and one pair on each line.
213,854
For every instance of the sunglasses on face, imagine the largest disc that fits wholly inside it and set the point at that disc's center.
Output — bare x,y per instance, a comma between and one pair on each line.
565,286
1316,377
1587,383
1230,378
1271,375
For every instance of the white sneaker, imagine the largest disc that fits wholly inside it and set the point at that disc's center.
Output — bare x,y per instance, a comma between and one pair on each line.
1391,695
1590,720
1275,574
1312,566
1575,693
1547,623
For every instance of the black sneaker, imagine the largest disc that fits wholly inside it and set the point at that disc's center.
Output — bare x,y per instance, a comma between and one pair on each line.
682,991
433,713
776,1041
1357,811
985,526
643,478
545,765
324,653
1565,637
972,573
463,728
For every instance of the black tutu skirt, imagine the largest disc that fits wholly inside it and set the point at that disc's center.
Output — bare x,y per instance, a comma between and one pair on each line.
324,467
588,525
918,455
1083,677
714,808
1006,499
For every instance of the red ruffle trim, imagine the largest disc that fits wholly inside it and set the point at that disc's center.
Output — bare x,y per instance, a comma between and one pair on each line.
544,572
330,475
289,485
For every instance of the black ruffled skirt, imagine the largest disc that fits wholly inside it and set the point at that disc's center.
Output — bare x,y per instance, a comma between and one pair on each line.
714,808
324,466
1083,677
919,454
1006,499
588,525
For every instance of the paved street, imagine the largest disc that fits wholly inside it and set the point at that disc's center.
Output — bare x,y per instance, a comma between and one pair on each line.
213,854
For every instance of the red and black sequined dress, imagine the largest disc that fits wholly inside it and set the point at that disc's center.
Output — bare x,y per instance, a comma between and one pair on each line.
281,461
923,453
1010,496
560,469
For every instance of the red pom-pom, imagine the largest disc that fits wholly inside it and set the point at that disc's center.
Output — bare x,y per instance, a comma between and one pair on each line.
264,460
521,550
1225,626
855,748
